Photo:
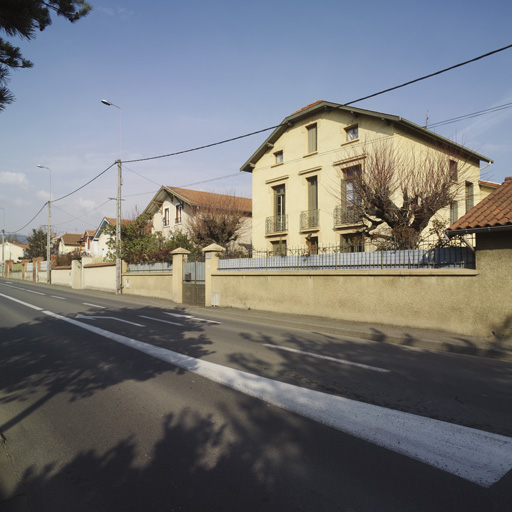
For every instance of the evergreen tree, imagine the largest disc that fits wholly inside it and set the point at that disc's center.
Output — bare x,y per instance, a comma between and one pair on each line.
37,244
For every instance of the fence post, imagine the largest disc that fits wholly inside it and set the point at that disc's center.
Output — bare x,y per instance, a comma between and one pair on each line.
178,257
211,265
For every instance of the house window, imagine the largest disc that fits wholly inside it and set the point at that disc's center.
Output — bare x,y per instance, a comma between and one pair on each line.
453,170
312,193
469,196
312,138
179,209
278,155
353,242
279,248
166,217
279,201
350,199
352,132
454,212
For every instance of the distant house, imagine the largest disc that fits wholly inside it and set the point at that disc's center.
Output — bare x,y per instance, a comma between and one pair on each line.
14,251
172,209
69,242
303,174
486,188
87,241
99,242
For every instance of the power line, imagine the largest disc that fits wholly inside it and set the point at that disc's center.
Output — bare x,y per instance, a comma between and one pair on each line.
410,82
85,185
472,115
18,230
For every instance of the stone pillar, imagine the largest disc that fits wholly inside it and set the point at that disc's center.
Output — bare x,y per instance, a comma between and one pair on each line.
178,257
211,258
24,269
36,268
76,274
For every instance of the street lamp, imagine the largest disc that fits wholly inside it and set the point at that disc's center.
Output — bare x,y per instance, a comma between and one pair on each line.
48,234
3,245
118,217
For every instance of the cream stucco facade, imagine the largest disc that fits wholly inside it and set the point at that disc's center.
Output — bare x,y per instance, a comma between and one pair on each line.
297,172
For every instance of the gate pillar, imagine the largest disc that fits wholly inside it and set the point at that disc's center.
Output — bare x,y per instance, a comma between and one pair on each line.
211,257
178,257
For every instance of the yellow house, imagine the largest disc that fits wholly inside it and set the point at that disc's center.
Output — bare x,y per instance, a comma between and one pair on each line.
301,173
69,242
13,251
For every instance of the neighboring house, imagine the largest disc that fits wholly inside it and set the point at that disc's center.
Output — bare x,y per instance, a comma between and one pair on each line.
301,174
172,208
492,214
486,188
99,243
87,241
69,242
13,251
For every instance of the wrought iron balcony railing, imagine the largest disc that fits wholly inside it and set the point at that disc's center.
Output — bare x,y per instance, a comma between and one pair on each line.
276,224
309,219
343,215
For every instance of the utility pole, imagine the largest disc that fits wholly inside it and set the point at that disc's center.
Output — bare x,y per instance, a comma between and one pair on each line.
118,230
49,232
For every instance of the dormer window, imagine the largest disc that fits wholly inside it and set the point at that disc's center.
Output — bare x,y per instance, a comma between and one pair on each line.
278,155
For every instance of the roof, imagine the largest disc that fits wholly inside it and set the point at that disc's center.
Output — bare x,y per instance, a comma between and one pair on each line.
493,212
319,106
112,221
197,198
23,246
71,238
489,184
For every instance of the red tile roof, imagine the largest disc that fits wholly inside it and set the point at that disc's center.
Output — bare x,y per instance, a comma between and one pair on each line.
490,184
71,238
112,221
308,106
495,210
199,198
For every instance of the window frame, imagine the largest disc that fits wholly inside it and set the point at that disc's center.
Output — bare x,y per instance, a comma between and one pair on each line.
312,139
166,221
178,214
279,157
353,128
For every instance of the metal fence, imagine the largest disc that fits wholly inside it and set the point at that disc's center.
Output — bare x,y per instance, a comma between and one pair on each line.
426,256
165,266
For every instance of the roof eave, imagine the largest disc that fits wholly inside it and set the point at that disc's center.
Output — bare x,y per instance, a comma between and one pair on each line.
485,229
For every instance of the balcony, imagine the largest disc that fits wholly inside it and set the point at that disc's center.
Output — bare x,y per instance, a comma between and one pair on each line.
343,215
276,224
310,220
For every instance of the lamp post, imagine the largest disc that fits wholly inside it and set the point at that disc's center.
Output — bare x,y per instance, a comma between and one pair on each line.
48,234
3,245
118,217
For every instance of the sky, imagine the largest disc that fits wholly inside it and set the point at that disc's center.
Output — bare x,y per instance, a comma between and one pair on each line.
188,74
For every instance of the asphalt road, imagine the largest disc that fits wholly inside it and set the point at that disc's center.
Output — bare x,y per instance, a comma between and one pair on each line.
119,403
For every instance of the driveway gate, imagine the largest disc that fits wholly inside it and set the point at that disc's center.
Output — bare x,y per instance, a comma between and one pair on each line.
193,281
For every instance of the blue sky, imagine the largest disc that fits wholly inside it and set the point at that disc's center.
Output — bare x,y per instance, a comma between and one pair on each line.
192,73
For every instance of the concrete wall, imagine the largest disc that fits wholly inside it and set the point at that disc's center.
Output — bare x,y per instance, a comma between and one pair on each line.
470,302
60,275
99,276
149,285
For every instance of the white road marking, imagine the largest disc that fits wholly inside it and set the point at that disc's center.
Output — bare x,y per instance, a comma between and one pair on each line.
91,317
478,456
328,358
159,320
56,297
93,305
32,291
190,317
21,302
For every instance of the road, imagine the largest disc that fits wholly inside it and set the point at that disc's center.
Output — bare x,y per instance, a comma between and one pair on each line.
120,403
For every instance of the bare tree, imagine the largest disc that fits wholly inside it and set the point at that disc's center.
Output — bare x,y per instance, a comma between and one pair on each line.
395,191
218,218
